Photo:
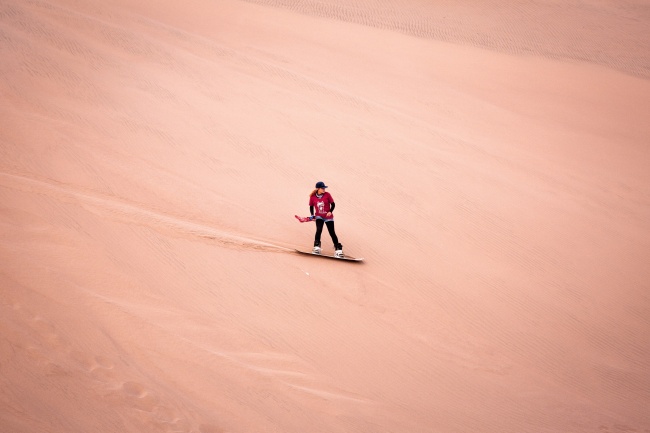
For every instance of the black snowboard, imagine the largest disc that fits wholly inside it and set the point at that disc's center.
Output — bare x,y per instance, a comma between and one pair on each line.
348,258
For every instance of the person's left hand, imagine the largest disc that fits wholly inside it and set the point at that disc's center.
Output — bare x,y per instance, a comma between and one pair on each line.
329,214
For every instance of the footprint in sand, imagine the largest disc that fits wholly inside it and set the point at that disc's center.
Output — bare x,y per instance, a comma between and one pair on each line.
151,409
134,389
137,396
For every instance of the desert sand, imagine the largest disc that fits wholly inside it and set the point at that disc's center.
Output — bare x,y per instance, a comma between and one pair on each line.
489,162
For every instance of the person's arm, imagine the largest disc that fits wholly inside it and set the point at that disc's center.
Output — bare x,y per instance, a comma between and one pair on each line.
311,210
332,206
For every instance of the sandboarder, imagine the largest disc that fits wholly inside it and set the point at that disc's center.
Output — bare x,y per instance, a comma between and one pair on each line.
321,206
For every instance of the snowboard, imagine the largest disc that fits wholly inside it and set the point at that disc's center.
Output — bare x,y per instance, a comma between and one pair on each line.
348,258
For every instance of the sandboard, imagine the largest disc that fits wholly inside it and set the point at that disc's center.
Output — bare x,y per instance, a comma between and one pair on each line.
348,258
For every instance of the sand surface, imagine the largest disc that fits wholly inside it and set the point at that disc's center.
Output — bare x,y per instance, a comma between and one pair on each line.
490,163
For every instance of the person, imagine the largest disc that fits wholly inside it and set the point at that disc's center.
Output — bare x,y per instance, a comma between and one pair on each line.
321,206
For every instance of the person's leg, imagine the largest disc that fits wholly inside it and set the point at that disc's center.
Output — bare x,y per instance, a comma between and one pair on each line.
319,230
335,239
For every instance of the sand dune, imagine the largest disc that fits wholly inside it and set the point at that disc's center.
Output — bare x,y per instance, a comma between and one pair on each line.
488,161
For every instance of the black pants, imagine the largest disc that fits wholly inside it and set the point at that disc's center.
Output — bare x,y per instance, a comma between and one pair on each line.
330,228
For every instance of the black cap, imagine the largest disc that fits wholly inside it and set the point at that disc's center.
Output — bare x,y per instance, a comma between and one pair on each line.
321,185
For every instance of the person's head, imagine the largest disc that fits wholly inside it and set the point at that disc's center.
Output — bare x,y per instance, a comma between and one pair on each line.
320,187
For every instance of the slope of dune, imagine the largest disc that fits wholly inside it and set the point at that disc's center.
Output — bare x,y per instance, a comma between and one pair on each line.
489,163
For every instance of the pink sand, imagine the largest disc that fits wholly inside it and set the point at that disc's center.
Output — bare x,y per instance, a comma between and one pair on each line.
489,162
